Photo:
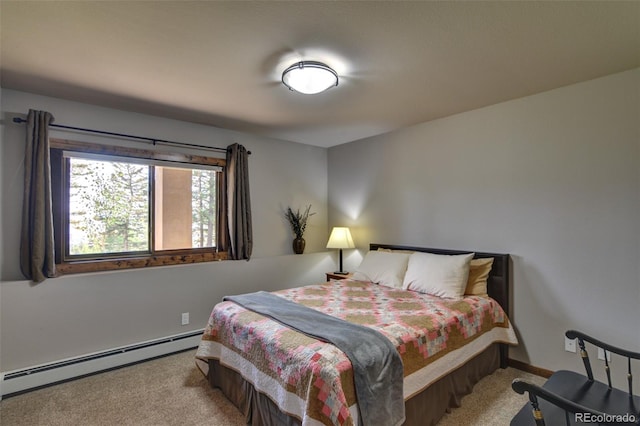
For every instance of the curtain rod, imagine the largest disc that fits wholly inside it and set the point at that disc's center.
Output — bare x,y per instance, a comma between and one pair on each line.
153,141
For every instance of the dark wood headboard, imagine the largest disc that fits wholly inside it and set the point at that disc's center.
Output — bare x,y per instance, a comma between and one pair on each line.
498,282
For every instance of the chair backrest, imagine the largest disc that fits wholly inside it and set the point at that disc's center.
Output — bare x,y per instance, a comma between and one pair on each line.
536,391
598,391
573,334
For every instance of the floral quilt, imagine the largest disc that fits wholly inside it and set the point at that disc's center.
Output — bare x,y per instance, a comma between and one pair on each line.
316,375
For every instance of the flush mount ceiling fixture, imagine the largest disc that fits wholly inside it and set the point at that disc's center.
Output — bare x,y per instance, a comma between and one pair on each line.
309,77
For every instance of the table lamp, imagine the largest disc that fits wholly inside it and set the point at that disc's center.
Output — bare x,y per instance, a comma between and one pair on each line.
340,238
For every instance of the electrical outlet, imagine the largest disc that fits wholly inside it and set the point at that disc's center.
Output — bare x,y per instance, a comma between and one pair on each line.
570,345
601,354
185,318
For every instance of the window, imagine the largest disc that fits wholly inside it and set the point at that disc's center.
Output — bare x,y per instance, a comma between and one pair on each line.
117,208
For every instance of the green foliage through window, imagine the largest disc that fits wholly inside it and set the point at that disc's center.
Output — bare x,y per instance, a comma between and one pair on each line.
116,206
108,207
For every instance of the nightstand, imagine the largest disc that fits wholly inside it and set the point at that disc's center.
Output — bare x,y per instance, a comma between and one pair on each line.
334,276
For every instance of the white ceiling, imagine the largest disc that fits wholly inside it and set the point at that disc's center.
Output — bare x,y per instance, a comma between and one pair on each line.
400,63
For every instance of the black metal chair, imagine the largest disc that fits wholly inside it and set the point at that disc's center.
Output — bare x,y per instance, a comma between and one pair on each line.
571,398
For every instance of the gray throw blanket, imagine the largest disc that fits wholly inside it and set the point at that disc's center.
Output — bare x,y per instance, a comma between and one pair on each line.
377,366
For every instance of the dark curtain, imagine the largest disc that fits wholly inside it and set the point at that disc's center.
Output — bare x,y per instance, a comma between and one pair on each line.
238,203
37,253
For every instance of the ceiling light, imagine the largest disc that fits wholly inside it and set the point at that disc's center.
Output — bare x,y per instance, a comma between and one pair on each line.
309,77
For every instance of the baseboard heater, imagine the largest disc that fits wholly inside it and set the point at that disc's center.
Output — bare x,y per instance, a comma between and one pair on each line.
19,381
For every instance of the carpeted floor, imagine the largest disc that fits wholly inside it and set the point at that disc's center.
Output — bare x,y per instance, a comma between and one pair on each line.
141,395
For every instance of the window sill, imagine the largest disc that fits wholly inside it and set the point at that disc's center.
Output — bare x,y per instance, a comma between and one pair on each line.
79,267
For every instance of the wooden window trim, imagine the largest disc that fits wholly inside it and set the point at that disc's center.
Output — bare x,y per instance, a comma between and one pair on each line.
94,148
176,258
135,261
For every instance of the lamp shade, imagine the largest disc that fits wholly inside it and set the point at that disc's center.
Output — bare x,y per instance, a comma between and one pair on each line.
309,77
340,238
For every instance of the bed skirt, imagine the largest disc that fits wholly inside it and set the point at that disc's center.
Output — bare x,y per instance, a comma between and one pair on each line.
425,408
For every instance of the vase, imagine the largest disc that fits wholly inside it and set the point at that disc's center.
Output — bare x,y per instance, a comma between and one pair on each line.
298,245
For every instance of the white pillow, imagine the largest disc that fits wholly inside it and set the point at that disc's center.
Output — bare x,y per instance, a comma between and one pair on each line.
437,274
383,268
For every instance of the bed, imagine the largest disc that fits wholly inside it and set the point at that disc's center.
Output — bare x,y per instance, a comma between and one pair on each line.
278,376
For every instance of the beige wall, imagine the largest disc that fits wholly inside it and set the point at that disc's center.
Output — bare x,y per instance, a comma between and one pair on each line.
173,218
553,179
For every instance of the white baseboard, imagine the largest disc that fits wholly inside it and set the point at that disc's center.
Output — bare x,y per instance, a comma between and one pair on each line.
18,381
